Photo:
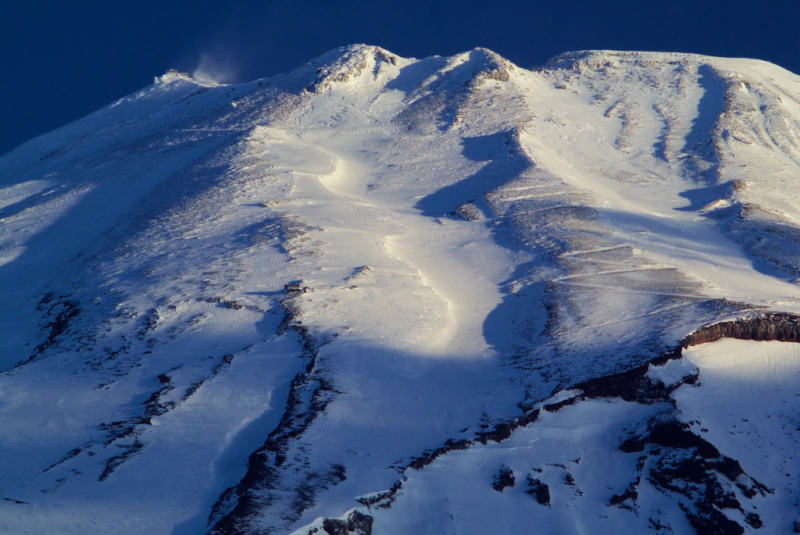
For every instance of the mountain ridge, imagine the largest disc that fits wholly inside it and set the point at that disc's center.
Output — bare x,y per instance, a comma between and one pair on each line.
265,307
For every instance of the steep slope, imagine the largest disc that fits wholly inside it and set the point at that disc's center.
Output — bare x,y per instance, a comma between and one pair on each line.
419,295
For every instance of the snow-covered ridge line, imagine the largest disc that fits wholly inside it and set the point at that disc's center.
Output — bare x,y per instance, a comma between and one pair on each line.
651,56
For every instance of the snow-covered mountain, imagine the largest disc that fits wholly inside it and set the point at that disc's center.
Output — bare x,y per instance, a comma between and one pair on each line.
392,296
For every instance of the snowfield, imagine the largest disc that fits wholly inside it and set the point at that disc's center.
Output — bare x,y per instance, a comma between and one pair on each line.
391,295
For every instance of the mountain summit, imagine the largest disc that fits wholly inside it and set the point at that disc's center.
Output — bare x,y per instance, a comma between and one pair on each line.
389,295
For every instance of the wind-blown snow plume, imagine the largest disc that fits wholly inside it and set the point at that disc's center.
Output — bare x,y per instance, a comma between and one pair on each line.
214,69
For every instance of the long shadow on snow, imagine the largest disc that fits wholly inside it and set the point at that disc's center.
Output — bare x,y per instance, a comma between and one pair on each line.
395,388
701,197
699,140
79,278
411,76
66,270
515,327
525,310
666,305
770,244
440,100
100,172
495,150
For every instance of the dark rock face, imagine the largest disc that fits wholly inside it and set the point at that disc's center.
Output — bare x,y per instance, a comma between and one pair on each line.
503,479
500,433
677,462
357,524
712,523
260,487
630,494
631,385
684,464
754,520
538,490
114,462
764,327
688,467
334,526
60,312
674,434
382,500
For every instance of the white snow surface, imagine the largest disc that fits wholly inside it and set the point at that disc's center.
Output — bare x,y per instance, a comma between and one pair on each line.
471,241
746,404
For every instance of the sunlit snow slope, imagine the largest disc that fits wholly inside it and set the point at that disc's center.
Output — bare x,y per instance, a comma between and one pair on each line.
390,295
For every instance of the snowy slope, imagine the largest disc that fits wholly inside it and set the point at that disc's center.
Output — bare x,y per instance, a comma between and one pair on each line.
430,296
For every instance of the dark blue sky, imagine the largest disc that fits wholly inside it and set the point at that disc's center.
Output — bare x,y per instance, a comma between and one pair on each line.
63,59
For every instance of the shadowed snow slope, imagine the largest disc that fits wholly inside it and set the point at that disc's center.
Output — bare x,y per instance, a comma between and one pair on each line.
415,296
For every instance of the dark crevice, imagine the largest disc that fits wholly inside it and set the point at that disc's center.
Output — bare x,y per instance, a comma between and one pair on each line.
114,462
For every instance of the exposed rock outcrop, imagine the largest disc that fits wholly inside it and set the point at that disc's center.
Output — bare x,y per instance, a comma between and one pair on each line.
504,479
356,523
763,327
